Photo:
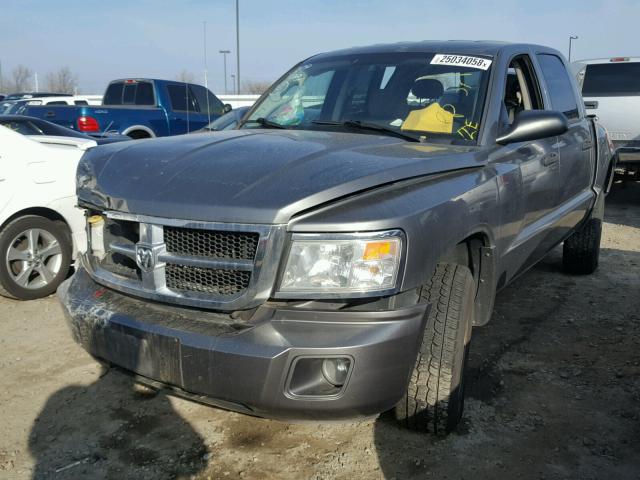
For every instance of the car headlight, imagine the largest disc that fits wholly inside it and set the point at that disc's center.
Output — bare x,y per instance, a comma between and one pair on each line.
342,263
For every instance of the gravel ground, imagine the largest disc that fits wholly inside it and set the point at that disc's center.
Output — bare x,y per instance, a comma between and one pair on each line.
553,392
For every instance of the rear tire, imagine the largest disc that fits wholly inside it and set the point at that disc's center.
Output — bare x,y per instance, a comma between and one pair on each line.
434,400
581,251
35,256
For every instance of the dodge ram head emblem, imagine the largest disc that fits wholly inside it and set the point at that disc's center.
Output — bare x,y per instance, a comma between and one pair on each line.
145,257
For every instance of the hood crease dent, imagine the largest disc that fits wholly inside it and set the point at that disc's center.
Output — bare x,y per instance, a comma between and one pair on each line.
253,176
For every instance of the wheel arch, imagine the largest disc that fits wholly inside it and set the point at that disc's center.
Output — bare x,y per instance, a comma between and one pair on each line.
476,251
139,128
39,211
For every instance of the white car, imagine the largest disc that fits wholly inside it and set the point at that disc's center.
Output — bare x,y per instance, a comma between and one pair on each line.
40,226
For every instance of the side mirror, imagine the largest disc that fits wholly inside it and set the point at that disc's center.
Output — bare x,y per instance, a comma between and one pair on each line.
534,125
227,108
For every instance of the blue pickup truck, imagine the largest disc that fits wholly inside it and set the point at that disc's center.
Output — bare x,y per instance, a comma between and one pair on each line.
140,108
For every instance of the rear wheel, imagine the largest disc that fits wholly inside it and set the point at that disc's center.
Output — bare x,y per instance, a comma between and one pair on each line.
581,251
435,395
35,256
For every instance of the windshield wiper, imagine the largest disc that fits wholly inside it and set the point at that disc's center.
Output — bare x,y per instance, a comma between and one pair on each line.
269,124
358,125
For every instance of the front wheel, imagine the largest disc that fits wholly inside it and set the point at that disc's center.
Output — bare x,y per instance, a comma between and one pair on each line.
435,395
35,256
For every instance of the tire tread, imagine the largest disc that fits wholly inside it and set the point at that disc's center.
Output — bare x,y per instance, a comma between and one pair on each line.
426,404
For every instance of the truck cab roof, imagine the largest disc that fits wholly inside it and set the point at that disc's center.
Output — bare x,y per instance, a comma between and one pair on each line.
480,47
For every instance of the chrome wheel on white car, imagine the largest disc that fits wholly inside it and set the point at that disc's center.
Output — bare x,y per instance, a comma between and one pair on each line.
36,254
34,258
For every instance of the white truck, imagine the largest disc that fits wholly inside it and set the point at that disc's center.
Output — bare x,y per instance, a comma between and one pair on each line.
611,90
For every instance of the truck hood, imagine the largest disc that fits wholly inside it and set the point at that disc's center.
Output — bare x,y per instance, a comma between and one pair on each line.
253,176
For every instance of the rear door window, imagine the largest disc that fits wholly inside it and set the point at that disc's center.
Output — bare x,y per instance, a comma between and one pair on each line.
560,88
612,80
182,98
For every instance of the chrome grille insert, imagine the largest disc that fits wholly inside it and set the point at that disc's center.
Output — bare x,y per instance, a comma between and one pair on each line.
204,264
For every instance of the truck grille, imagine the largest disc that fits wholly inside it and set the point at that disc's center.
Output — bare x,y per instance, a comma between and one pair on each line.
214,244
206,280
200,264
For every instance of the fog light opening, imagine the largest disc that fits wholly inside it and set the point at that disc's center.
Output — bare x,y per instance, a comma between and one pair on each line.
318,376
335,370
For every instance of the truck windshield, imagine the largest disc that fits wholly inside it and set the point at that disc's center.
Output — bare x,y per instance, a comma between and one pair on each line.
612,80
429,96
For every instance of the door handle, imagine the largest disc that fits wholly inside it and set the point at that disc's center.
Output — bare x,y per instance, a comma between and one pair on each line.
592,105
550,159
50,114
587,145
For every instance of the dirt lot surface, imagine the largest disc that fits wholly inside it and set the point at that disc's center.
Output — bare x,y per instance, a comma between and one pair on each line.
553,392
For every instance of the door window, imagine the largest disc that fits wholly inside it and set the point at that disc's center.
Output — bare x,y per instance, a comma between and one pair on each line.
182,98
561,91
207,100
522,91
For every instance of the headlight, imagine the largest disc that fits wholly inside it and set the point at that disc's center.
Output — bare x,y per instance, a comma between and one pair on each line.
349,263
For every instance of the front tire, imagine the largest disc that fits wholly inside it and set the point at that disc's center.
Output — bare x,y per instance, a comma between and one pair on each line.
35,256
581,251
434,400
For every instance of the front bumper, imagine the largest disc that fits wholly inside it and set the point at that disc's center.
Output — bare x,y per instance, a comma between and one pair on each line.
243,367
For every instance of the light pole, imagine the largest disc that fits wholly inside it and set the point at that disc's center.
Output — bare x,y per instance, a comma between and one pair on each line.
571,38
233,82
238,42
224,55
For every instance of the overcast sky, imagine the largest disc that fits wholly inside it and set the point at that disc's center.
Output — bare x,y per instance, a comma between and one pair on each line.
105,39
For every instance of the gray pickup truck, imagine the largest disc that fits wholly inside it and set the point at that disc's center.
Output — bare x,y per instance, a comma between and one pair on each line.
329,258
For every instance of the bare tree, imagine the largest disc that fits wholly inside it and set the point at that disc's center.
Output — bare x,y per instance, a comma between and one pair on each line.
21,77
255,87
186,76
62,81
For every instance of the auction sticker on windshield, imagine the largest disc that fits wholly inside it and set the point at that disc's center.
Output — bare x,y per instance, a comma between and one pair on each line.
461,60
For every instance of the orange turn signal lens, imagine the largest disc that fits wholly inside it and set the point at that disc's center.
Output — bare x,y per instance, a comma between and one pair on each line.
379,250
